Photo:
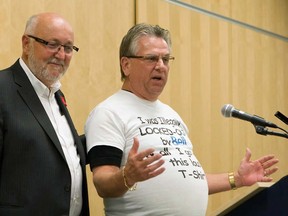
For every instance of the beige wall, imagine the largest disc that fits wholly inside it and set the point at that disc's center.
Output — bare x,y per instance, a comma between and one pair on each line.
94,71
216,63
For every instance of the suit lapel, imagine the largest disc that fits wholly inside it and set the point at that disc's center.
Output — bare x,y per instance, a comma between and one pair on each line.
62,104
32,101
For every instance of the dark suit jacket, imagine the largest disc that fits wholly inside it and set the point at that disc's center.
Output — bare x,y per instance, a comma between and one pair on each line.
34,175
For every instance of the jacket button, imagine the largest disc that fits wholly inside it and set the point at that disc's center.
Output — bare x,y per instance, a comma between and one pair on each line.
67,188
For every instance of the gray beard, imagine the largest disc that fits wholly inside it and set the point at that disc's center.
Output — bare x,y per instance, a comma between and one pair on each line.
41,72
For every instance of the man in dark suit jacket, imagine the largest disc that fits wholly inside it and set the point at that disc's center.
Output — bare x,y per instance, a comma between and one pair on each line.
42,159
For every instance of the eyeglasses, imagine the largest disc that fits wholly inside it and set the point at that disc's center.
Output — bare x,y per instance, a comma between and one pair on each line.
154,59
55,46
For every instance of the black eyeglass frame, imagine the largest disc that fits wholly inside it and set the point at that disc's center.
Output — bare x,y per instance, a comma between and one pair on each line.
46,43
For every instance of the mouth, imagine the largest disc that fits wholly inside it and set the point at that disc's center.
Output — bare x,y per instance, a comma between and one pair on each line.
157,78
56,65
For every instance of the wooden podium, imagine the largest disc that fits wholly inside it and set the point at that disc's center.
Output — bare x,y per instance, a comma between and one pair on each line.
262,199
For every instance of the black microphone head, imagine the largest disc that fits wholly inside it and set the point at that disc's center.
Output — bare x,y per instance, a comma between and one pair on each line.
227,110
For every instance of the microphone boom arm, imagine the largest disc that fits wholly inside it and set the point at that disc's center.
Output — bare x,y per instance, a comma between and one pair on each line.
264,131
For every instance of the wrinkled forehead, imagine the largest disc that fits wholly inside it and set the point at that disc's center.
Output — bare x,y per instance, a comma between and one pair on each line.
153,44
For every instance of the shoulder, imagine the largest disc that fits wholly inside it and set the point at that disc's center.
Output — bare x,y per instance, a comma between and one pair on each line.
7,73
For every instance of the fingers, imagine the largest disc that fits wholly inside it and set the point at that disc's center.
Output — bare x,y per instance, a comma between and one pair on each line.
268,172
143,165
266,179
141,155
135,146
247,155
147,154
268,161
144,157
150,165
155,169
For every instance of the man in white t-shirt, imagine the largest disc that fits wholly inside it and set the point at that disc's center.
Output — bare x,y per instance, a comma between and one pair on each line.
139,150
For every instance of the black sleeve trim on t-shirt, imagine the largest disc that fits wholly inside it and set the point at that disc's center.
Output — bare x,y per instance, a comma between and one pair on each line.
104,155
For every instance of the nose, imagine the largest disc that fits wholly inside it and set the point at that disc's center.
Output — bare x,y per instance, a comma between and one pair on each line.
60,52
160,62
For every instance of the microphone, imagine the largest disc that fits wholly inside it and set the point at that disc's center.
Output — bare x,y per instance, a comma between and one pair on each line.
228,110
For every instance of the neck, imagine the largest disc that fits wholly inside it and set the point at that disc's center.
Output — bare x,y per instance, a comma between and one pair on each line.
126,86
124,89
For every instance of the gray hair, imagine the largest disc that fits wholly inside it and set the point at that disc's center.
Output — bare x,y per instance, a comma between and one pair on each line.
31,25
129,44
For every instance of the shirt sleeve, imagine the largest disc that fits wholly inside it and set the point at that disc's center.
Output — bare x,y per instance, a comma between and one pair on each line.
104,128
104,155
105,138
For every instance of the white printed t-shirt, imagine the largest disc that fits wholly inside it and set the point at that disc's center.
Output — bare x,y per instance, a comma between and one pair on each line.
182,189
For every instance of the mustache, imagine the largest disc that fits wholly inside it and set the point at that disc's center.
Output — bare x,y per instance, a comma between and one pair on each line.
56,61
